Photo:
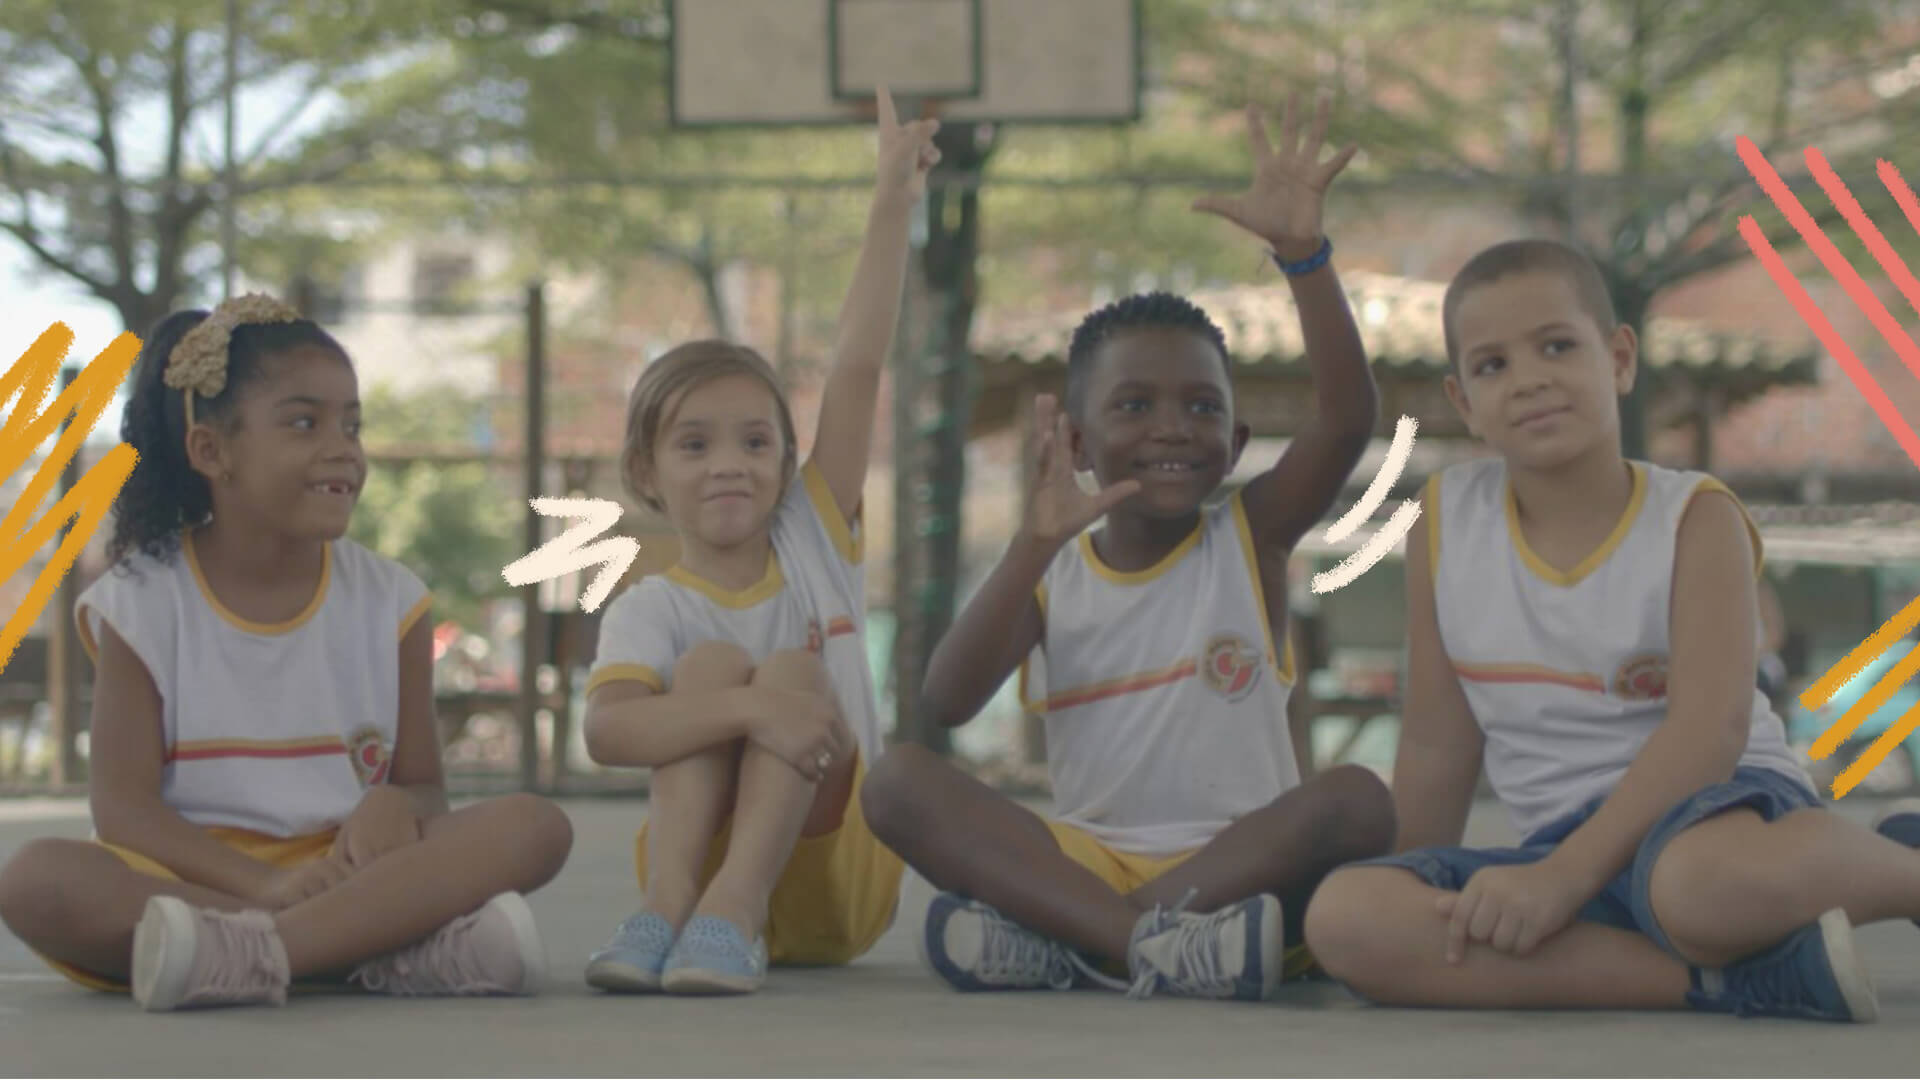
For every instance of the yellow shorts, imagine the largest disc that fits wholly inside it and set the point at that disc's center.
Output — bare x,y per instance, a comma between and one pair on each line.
1124,872
284,852
835,898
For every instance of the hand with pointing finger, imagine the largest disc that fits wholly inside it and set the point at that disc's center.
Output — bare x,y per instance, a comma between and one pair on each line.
1283,204
907,152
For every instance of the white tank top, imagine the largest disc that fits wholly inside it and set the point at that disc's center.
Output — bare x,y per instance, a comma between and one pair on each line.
274,728
1165,698
1566,672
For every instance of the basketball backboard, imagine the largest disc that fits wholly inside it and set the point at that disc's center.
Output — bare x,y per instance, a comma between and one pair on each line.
775,63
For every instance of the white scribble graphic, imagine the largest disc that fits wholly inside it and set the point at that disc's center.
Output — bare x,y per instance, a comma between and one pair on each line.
570,552
1382,541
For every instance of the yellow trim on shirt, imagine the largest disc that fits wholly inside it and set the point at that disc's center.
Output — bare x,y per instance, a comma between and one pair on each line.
1431,499
413,614
1138,577
86,633
1029,703
1710,483
852,548
1245,529
1592,562
766,588
639,673
251,627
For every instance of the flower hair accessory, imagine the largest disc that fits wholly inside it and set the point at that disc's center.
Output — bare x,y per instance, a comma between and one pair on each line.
198,364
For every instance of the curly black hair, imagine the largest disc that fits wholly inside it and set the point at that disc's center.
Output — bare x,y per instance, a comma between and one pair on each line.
164,495
1154,310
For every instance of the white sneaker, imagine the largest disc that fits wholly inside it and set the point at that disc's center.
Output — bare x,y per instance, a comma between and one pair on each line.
186,957
494,950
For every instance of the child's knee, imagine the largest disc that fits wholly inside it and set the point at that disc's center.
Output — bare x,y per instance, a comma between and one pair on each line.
712,665
34,898
1358,810
1694,882
1350,922
543,836
889,796
793,669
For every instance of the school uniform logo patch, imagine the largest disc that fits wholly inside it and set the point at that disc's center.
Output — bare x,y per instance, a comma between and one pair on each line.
368,752
1641,678
1230,667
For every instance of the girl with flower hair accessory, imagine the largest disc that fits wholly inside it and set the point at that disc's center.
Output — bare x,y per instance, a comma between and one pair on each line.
266,785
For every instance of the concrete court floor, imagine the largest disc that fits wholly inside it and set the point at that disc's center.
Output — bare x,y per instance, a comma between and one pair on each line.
884,1016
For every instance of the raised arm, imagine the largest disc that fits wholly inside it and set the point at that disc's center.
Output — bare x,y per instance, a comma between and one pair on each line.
1437,764
1283,208
843,438
1003,621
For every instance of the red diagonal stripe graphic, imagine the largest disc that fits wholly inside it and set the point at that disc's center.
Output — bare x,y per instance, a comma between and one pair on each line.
1856,289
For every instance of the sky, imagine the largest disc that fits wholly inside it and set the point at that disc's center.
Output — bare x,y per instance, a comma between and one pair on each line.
34,297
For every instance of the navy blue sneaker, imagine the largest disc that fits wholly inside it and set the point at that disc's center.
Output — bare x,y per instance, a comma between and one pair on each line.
1814,975
974,948
1235,953
1900,823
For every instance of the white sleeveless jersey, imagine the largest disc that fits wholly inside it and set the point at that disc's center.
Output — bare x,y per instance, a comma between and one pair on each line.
274,728
1566,672
812,597
1165,698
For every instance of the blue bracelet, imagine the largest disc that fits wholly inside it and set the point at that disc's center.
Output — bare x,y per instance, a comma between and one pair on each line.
1314,262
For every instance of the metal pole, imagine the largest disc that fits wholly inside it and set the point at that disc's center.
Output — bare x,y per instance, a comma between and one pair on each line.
533,628
1568,19
229,173
63,663
906,547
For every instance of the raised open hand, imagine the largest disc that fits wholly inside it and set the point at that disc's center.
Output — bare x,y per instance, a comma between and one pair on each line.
1283,204
907,152
1057,507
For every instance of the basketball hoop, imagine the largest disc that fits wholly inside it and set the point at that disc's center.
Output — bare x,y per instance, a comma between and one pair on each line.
781,63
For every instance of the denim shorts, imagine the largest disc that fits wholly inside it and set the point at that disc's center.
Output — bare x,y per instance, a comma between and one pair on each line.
1626,902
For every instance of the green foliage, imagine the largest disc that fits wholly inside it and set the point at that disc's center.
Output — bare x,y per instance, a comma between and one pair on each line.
453,524
110,160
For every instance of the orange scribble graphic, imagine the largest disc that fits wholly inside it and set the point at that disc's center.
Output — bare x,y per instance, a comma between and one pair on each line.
1903,346
1869,703
27,426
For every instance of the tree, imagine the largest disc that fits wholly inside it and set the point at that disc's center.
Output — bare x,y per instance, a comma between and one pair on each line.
1674,81
446,522
106,113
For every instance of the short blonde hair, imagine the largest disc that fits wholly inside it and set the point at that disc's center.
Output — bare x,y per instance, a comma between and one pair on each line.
665,383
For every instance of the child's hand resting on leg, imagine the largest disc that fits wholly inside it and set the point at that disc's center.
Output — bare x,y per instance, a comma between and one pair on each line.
384,820
804,729
283,889
1511,908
